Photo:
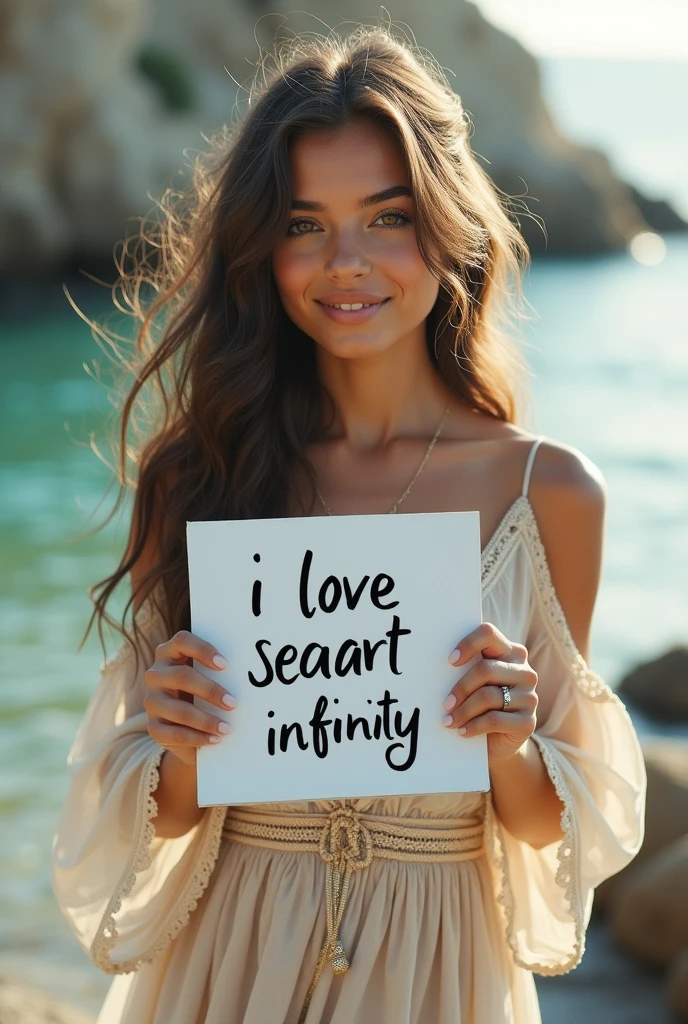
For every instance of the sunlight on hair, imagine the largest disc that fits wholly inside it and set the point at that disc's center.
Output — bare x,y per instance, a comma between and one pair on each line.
647,248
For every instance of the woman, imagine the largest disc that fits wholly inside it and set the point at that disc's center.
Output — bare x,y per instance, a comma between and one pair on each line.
349,181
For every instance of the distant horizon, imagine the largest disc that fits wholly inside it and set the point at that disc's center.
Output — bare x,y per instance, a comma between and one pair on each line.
595,29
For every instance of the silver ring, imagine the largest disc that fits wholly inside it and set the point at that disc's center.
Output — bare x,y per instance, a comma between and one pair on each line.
507,697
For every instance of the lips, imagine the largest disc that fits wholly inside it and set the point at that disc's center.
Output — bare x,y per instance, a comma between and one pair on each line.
353,316
350,298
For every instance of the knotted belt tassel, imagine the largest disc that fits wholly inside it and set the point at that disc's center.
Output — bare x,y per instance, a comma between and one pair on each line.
347,841
346,845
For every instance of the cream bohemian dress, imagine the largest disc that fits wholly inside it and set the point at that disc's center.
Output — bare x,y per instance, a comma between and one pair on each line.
205,930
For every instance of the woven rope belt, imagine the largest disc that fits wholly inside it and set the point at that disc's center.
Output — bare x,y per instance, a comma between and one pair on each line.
347,841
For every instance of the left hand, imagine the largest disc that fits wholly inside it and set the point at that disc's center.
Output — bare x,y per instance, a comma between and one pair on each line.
475,705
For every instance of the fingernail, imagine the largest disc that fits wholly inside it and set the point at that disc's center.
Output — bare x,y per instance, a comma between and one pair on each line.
229,701
447,720
214,739
219,661
455,656
449,702
224,727
462,730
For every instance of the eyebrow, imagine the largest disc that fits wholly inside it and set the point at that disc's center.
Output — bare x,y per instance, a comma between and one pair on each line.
377,197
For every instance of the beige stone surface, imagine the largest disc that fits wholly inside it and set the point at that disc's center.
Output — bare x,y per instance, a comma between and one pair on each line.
86,144
83,138
649,915
660,687
22,1005
666,816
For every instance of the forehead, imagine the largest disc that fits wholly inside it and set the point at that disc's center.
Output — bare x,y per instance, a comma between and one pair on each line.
353,161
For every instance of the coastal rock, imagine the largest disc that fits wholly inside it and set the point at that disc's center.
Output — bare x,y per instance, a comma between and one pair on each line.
649,918
573,188
103,97
677,986
22,1005
660,687
666,813
83,137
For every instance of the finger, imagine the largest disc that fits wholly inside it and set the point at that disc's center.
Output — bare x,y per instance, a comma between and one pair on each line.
487,671
185,645
178,712
490,698
169,736
186,679
516,723
487,640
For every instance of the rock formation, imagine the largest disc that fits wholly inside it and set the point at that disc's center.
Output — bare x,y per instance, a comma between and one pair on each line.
660,687
101,97
646,904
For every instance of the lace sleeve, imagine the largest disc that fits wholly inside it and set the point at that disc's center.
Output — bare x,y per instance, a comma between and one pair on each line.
125,892
590,749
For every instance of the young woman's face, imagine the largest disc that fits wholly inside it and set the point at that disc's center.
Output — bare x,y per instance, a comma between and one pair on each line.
341,247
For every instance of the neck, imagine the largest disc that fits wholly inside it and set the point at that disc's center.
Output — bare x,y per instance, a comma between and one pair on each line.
397,393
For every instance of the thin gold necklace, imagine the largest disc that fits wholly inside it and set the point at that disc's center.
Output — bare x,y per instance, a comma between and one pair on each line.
417,474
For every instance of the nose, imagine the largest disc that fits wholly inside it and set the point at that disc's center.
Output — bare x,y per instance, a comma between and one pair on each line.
348,258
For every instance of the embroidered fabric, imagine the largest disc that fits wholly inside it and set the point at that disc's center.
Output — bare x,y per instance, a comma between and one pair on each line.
519,525
144,834
567,876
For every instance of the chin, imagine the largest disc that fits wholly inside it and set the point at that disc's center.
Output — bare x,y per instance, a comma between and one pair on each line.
355,348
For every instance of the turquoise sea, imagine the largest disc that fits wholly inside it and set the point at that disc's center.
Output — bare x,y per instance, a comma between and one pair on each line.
609,356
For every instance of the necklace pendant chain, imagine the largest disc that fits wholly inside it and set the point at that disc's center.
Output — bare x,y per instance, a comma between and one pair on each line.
418,472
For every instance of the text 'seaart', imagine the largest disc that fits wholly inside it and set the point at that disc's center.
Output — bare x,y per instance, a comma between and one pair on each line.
337,631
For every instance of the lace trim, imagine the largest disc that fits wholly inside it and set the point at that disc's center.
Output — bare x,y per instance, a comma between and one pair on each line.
140,860
500,545
591,683
567,876
568,856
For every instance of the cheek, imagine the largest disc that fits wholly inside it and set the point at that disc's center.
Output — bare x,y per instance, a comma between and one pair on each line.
292,272
406,266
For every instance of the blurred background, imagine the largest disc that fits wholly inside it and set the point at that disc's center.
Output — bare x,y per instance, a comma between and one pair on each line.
579,108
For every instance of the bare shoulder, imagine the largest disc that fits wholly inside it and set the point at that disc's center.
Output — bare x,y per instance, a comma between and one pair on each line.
563,474
568,496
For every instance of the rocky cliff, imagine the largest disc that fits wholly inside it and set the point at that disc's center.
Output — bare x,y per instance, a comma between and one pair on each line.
102,96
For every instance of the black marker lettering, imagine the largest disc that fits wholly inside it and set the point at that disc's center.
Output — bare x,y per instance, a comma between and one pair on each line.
255,597
285,733
411,728
377,590
268,667
352,599
303,585
394,633
331,604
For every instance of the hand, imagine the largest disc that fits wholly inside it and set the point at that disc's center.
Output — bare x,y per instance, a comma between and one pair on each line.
476,703
173,720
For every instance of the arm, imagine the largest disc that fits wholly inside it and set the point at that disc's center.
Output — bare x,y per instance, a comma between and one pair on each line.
175,795
568,499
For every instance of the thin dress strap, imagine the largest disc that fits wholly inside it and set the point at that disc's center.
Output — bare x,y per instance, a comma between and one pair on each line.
529,465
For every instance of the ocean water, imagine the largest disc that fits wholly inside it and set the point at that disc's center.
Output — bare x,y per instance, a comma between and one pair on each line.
610,376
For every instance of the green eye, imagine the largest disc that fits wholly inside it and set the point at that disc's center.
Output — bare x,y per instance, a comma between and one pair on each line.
405,219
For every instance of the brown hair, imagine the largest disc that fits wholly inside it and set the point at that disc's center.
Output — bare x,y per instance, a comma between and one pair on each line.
230,390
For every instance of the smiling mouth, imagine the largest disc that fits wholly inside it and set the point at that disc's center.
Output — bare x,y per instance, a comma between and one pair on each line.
353,307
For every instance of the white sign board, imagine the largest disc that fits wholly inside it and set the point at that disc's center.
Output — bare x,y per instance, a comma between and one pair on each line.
337,631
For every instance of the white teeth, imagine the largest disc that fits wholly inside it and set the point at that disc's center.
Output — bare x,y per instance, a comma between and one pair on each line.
350,305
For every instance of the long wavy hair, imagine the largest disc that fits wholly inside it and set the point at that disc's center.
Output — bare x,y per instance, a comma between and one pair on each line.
225,394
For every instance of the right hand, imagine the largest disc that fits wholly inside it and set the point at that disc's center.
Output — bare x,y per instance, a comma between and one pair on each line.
173,720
